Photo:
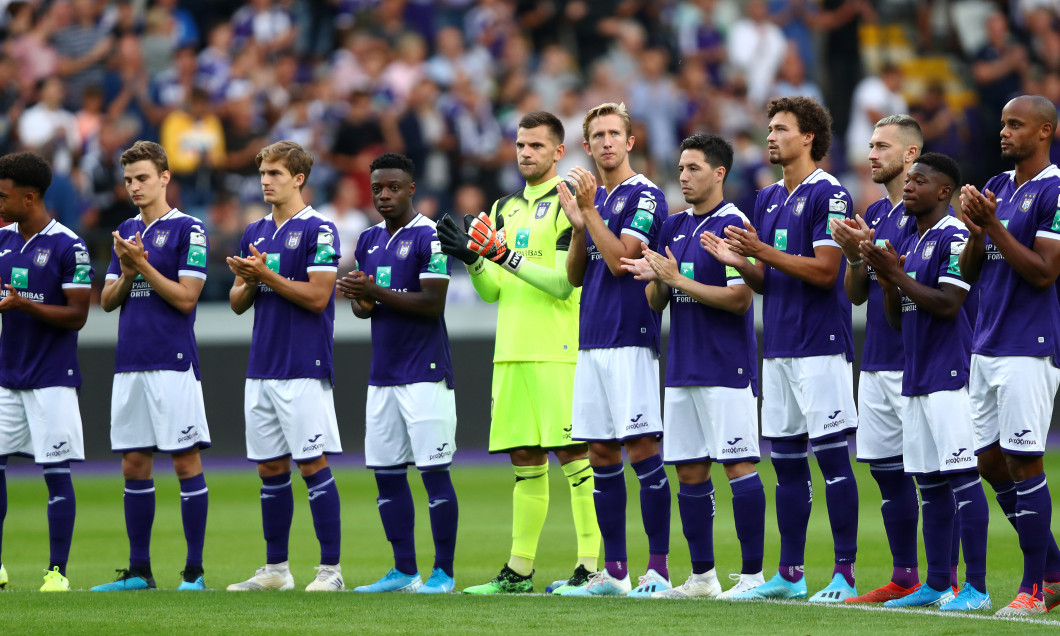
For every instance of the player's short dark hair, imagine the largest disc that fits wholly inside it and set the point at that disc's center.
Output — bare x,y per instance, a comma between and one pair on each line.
544,118
27,170
393,160
907,127
717,152
941,163
294,157
146,151
811,118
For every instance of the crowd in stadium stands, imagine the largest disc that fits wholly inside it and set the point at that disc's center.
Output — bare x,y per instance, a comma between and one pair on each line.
445,81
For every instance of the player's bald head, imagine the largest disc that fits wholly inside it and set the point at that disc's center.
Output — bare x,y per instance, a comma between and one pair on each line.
1036,108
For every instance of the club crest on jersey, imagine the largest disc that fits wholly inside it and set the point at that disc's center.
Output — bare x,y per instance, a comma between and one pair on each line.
1027,201
929,249
293,239
901,221
161,236
403,249
800,204
40,256
620,204
542,209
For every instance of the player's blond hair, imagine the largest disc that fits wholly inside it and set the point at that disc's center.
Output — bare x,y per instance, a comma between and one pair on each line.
294,157
607,108
146,151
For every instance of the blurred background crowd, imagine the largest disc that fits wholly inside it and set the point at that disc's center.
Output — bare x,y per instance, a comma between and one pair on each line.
446,81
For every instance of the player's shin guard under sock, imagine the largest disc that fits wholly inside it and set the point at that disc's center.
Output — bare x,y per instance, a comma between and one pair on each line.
398,515
327,515
529,508
1005,493
655,505
139,517
62,508
3,501
444,511
580,479
749,513
696,504
939,513
794,496
610,500
1034,511
194,504
841,495
277,512
900,516
973,515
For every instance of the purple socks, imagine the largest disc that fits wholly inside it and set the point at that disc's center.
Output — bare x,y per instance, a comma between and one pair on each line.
901,515
277,511
749,513
696,503
327,517
794,497
194,503
610,499
1034,511
444,513
841,494
655,511
939,512
139,517
62,509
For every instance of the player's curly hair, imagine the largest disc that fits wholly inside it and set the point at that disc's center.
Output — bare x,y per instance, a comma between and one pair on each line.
294,157
27,170
146,151
544,118
811,117
393,160
941,163
607,108
717,152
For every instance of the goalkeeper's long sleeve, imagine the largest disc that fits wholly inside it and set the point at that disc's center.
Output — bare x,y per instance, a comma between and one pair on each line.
551,280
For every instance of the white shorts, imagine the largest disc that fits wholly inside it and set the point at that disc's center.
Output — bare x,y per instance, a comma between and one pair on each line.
616,395
410,424
1012,402
938,433
293,417
880,405
157,410
718,423
44,424
807,396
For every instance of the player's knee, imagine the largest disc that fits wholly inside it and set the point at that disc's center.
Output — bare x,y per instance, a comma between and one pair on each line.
136,465
693,473
274,467
739,469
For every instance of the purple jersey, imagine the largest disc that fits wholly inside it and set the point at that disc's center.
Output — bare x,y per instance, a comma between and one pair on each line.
699,332
614,312
405,348
881,351
1015,319
801,319
153,334
937,351
34,354
290,341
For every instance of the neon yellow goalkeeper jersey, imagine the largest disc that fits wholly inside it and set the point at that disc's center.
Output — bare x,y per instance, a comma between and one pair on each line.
532,325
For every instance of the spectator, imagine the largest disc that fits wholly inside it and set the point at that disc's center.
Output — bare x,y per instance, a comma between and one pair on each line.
172,88
49,129
407,68
554,74
756,48
875,97
344,209
479,136
840,21
159,41
214,63
244,136
195,143
944,131
90,117
428,139
28,44
698,39
12,102
999,70
791,81
623,57
82,46
359,138
186,30
654,99
264,23
453,59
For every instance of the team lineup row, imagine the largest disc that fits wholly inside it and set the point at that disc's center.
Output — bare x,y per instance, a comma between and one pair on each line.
581,273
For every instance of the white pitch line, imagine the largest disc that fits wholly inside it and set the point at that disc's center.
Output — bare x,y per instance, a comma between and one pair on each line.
864,607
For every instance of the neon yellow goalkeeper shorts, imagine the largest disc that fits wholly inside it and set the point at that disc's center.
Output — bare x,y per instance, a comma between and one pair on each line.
531,405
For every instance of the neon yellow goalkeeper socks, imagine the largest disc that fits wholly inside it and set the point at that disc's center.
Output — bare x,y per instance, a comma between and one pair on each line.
580,477
529,508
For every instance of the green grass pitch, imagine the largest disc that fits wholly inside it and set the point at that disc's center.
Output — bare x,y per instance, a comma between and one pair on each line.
234,548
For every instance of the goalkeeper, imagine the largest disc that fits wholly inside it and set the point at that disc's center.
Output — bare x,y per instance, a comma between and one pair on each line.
516,256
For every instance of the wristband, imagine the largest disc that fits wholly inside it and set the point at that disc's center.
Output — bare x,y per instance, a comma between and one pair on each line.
855,263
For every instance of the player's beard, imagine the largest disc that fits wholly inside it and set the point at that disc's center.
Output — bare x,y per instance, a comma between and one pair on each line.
888,172
1016,154
533,173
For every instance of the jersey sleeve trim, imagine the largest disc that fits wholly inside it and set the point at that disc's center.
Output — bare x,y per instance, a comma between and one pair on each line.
635,234
955,281
432,275
323,268
825,243
191,273
1047,234
735,281
113,276
76,286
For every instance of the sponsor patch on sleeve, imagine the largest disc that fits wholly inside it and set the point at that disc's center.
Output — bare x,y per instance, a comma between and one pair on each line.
642,220
325,246
437,263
